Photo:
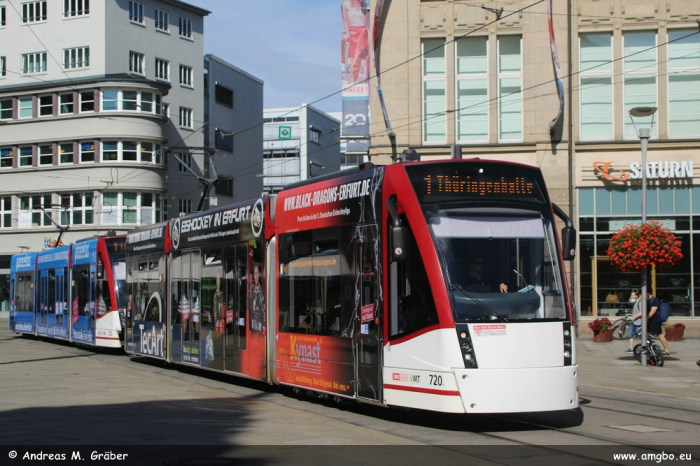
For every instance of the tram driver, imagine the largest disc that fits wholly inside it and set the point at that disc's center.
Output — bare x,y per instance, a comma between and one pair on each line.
475,280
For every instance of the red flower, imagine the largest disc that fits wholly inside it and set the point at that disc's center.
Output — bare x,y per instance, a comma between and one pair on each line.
636,247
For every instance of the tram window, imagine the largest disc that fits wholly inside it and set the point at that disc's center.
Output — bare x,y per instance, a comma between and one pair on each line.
175,289
24,301
212,288
416,305
143,265
310,284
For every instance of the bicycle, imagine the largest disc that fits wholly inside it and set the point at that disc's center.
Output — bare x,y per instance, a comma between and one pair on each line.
621,326
655,355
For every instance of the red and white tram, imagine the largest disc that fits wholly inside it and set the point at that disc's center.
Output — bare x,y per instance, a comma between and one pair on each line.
429,285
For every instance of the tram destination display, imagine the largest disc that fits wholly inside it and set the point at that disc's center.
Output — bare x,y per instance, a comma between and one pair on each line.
475,181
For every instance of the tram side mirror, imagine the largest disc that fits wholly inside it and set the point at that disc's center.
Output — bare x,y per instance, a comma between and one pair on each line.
398,249
568,243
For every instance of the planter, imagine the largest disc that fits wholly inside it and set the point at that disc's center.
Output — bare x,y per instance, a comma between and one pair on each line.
603,337
674,333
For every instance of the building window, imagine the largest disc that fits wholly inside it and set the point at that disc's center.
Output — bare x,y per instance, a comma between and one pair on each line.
510,112
87,151
596,92
136,12
78,209
33,12
32,206
166,111
130,101
127,208
65,153
110,151
65,103
185,206
314,135
223,95
136,62
472,89
3,67
683,83
223,139
46,105
186,75
6,155
185,27
78,57
186,117
3,18
434,103
186,163
162,69
25,156
33,63
46,155
150,153
87,101
6,109
26,107
639,66
73,8
162,20
110,99
130,151
5,212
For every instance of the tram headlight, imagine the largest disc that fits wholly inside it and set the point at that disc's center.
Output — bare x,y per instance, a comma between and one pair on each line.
468,357
567,354
463,335
566,333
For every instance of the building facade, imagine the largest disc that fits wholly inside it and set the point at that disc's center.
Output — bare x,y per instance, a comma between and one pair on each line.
107,122
298,143
485,81
233,112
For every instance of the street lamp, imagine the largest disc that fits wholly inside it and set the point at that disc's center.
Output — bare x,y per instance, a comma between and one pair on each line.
643,134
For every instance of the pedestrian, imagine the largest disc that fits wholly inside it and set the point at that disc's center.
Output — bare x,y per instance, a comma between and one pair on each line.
654,322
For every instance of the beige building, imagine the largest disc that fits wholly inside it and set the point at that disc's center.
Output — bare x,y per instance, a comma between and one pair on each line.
455,73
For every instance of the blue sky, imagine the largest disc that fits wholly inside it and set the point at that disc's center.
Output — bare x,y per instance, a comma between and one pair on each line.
292,45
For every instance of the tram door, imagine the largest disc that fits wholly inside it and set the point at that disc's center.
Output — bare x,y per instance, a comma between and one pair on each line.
368,336
236,264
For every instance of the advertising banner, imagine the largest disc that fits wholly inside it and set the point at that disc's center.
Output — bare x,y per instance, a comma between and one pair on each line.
339,201
149,240
226,224
316,362
355,73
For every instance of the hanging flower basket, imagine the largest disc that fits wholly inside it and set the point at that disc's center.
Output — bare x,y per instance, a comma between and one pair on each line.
636,247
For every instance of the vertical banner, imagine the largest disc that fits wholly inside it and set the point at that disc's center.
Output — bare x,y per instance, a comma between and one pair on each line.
556,123
376,40
355,72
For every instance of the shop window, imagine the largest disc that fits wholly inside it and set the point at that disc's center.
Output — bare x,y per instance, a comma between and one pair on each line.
634,201
696,200
619,201
652,200
682,200
602,201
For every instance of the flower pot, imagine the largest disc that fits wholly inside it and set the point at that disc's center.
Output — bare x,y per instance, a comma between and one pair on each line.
674,333
603,337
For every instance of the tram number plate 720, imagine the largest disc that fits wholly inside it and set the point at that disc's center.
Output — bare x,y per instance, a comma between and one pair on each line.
436,380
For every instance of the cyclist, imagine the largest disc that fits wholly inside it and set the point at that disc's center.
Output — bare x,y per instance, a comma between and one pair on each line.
654,321
636,321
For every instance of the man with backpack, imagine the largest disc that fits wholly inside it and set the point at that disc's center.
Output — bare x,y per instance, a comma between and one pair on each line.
656,318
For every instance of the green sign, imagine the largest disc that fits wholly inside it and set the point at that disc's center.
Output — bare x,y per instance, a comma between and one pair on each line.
285,132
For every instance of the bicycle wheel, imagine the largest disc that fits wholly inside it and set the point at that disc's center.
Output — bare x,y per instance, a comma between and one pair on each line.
638,352
659,356
620,329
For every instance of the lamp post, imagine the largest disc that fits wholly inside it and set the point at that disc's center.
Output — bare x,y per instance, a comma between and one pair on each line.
644,134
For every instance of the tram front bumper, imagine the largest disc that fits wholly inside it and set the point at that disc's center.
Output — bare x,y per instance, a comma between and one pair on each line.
518,390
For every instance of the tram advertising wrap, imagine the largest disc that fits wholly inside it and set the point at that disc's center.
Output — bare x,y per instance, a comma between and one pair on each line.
22,298
217,289
329,235
146,279
53,293
83,308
